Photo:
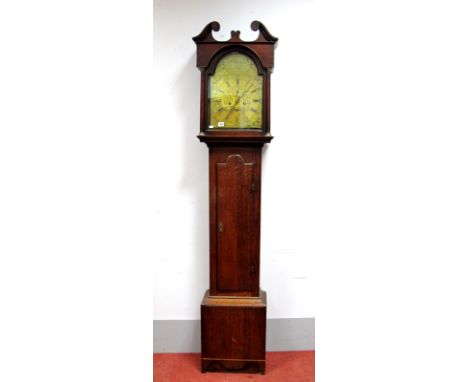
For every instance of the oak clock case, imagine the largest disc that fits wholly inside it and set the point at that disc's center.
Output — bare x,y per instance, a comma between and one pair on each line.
235,124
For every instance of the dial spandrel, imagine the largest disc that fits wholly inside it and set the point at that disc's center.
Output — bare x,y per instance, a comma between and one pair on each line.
235,93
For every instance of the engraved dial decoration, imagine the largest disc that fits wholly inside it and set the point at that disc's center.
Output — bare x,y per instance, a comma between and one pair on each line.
235,92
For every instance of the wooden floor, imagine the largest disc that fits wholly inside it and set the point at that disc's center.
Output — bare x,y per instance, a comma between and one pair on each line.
280,367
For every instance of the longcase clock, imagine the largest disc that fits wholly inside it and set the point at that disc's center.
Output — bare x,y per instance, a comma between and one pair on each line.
235,124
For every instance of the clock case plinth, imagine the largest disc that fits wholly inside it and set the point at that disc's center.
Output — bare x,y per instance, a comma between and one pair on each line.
233,310
233,333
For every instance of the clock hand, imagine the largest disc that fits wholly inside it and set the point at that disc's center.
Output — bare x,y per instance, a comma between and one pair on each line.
238,100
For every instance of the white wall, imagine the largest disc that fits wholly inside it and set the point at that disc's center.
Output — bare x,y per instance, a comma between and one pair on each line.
366,211
181,267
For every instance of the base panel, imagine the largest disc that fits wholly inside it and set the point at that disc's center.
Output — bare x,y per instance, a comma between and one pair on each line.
231,366
233,334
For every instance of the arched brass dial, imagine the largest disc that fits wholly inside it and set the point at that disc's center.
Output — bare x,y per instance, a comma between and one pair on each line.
236,93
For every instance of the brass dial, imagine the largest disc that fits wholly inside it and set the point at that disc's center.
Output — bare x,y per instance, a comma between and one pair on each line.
236,93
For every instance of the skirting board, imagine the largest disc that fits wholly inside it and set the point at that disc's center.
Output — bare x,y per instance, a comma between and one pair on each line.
284,334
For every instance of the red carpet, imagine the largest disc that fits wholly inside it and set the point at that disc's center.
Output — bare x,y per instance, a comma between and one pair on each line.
280,367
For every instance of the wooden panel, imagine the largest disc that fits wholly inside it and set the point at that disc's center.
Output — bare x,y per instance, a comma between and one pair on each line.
234,212
235,221
233,335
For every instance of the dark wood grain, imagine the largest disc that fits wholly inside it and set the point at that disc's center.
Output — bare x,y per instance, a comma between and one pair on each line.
233,312
235,223
233,334
235,191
